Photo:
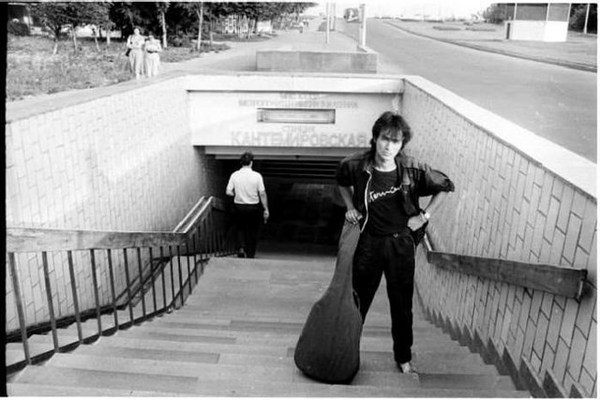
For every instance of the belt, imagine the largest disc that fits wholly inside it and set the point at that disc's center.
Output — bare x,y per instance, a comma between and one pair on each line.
403,232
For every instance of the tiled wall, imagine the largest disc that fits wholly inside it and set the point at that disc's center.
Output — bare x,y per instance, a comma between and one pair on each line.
123,161
507,205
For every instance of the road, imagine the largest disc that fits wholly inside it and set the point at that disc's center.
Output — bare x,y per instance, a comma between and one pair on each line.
554,102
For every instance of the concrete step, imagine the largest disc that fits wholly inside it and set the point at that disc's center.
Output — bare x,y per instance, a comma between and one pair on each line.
175,385
165,331
35,389
205,370
15,353
431,363
233,372
457,360
466,381
186,318
247,355
201,347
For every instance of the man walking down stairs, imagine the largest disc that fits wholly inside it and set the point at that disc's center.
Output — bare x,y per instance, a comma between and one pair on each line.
235,336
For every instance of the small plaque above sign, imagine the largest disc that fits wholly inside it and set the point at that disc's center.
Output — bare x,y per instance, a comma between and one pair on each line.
295,116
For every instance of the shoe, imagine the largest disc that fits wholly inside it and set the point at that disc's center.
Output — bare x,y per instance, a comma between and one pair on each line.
406,368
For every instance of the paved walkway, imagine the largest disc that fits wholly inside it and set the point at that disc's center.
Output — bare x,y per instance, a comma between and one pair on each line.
242,55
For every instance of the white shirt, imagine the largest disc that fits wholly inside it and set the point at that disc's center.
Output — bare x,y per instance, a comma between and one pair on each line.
246,184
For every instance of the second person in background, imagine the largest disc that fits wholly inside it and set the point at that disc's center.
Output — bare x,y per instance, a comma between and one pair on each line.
248,191
152,56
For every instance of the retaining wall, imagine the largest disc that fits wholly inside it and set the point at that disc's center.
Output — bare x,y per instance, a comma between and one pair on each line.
359,61
518,197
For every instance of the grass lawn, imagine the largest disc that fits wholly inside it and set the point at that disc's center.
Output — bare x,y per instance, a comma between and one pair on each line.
32,69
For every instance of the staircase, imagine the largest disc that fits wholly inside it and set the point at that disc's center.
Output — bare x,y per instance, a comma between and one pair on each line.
235,336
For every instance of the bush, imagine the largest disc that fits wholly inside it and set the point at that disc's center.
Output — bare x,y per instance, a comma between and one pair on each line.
18,28
181,40
577,20
495,14
447,28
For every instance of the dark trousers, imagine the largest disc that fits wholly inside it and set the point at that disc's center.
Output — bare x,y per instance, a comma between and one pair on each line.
394,256
247,221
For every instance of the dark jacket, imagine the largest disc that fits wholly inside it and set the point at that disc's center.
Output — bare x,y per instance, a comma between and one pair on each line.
417,180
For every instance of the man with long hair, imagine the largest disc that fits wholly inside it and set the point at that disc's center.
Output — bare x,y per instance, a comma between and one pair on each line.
381,189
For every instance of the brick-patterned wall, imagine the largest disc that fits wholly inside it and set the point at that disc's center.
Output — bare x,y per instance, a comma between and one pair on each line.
122,161
508,205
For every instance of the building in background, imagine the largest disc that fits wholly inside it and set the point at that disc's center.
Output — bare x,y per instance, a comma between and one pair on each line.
548,22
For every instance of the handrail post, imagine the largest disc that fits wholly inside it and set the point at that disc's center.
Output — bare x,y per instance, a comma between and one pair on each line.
96,293
12,260
75,296
195,250
142,294
164,283
213,233
172,275
128,282
152,278
49,298
187,262
180,274
112,287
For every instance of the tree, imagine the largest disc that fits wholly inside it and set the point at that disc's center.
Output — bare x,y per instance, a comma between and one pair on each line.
196,9
129,15
162,7
495,14
579,14
95,14
53,17
57,16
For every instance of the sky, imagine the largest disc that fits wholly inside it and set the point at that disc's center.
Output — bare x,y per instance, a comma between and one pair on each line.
434,8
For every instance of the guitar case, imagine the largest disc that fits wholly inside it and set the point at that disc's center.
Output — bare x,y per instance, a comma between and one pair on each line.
328,349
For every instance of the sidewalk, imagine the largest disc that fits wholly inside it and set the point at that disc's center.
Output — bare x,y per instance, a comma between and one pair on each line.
242,55
579,51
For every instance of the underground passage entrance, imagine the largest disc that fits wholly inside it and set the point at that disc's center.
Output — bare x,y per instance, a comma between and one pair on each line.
299,126
304,206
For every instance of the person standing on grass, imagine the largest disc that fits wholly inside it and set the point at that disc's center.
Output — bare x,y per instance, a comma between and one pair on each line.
151,58
249,205
135,47
381,189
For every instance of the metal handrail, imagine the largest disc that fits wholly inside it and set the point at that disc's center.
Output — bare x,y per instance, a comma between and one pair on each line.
200,235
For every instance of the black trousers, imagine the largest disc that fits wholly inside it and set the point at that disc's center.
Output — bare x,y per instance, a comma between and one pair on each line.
393,256
247,221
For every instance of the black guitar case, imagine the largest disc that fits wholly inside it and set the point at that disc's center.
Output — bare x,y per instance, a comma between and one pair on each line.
328,349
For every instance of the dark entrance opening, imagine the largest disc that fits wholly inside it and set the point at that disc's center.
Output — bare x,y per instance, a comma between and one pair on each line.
306,211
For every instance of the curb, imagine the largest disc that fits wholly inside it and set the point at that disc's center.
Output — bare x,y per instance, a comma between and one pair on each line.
567,64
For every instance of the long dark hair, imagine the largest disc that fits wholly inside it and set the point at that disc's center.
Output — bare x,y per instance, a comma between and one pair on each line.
391,122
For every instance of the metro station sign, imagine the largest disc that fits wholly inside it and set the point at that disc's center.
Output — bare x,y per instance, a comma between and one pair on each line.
286,118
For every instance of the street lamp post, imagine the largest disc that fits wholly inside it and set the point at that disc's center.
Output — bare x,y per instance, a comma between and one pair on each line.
327,15
363,26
